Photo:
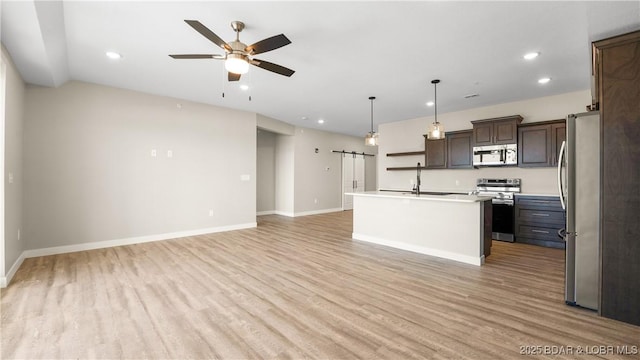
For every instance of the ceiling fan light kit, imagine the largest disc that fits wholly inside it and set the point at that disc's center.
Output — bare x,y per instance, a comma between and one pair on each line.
436,130
236,64
238,56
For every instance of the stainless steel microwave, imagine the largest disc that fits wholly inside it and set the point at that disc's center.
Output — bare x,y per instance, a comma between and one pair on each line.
495,155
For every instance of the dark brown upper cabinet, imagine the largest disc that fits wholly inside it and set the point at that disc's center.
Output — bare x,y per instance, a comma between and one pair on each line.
436,153
495,131
558,136
460,149
539,143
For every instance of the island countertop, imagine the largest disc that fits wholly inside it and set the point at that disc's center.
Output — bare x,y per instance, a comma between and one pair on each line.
424,197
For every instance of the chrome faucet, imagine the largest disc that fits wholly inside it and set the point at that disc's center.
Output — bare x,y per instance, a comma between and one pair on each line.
418,180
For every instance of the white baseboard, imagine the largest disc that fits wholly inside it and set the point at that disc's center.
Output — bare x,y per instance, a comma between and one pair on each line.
268,212
5,280
132,240
420,249
284,213
316,212
307,213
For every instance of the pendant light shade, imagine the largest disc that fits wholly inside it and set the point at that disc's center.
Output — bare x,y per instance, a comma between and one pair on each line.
436,130
371,139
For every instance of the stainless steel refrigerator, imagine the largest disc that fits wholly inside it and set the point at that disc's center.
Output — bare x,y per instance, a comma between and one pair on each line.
579,187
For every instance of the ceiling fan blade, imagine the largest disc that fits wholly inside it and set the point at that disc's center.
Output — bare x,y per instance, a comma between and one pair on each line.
233,77
198,56
273,67
197,26
268,44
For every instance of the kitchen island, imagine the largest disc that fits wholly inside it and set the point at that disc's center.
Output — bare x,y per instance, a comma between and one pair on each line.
450,226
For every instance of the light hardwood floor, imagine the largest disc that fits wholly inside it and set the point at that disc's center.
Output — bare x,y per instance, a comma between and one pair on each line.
294,288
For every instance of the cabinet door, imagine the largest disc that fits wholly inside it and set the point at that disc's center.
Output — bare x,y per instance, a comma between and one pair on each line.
483,134
505,132
436,153
534,146
558,135
460,150
619,92
348,184
358,173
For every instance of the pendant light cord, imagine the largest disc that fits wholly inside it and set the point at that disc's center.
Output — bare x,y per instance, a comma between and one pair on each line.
435,98
372,98
372,115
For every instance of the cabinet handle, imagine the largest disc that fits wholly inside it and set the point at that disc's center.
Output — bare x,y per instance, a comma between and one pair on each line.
536,214
539,231
539,201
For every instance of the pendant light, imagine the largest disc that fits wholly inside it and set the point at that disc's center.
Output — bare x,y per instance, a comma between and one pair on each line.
436,130
371,139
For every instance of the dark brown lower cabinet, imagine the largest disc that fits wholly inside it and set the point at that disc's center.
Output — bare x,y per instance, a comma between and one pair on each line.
538,220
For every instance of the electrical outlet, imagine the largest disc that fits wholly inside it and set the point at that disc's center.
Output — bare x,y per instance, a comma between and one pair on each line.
315,201
154,153
10,178
18,234
457,182
169,153
210,212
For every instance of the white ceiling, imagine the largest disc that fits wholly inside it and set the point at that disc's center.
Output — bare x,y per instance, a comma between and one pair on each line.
343,52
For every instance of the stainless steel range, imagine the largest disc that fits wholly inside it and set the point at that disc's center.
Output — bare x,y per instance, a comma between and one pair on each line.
502,191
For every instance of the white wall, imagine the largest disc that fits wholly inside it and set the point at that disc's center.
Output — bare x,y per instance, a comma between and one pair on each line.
13,160
284,160
318,176
266,172
90,176
407,136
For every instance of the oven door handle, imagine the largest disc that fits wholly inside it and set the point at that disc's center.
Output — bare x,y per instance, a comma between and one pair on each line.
502,202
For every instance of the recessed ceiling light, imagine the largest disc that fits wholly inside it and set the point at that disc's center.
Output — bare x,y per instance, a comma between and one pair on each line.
531,56
113,55
544,80
320,121
304,118
244,87
430,103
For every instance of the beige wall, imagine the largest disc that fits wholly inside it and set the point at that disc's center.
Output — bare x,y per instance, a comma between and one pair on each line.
284,163
266,172
13,159
407,136
90,175
318,176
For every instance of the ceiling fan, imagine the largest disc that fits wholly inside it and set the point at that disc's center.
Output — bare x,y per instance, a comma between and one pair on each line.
238,55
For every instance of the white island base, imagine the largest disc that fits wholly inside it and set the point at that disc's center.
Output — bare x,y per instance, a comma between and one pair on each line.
455,227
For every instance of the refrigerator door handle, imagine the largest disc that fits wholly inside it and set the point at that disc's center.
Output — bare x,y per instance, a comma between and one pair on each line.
560,188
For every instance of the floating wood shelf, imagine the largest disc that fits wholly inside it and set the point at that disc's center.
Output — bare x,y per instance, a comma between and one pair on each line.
406,168
409,153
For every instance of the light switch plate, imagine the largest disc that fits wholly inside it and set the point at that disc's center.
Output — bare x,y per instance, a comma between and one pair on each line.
245,177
